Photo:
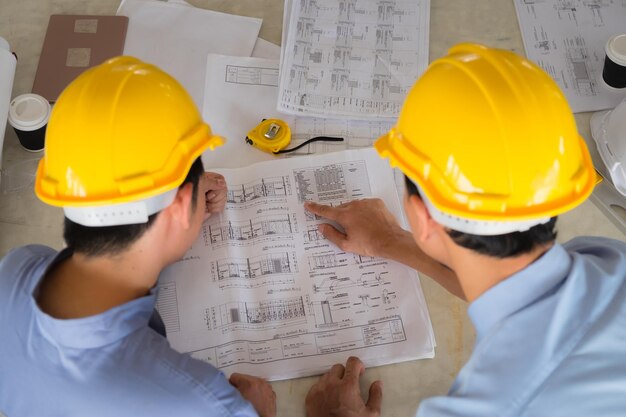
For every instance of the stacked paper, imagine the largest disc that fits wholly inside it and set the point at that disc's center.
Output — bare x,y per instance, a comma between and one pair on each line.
177,38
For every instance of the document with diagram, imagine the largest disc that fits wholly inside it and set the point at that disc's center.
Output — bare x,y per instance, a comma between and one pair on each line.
263,292
567,39
351,58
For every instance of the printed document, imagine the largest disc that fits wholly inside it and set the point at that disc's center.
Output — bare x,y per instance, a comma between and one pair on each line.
355,59
567,39
263,292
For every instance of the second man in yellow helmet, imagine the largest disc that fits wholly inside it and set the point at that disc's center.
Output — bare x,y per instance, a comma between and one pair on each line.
491,156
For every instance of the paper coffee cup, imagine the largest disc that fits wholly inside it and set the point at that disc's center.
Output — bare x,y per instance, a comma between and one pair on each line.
29,114
614,71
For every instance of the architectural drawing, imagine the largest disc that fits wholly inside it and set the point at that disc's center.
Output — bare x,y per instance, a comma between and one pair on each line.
313,234
258,293
259,315
567,39
261,189
251,230
354,58
366,280
263,270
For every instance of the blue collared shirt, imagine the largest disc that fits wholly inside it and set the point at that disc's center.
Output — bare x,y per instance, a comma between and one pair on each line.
550,339
110,364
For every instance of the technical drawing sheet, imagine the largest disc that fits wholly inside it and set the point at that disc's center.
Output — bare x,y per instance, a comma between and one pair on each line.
262,292
567,39
241,91
351,58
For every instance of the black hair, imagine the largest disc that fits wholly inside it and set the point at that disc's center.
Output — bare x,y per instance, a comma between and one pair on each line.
112,240
499,246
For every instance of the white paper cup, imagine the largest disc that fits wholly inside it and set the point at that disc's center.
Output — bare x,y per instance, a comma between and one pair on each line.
29,114
614,71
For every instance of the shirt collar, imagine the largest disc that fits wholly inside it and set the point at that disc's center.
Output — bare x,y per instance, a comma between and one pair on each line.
519,290
98,330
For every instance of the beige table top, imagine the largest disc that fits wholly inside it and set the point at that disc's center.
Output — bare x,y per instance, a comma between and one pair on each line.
24,220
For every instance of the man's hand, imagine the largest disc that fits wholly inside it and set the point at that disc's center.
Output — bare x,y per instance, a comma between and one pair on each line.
337,393
258,391
215,193
369,228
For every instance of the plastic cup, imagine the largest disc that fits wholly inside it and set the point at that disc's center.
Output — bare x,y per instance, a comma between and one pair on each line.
29,114
614,71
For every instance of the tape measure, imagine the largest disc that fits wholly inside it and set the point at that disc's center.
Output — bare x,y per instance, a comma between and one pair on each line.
271,135
274,135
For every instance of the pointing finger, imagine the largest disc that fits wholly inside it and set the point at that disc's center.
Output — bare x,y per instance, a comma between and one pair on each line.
321,210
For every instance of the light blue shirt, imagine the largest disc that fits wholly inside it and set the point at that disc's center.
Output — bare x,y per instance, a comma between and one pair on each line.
551,339
110,364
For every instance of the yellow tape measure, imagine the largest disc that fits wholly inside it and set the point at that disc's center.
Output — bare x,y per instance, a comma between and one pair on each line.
271,135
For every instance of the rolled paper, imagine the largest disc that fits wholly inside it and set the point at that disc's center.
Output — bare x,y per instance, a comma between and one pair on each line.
7,74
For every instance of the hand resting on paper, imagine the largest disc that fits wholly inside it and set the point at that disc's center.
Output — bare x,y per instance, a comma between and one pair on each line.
337,393
257,391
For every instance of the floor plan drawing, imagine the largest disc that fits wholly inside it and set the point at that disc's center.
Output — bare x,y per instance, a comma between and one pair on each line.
567,39
262,285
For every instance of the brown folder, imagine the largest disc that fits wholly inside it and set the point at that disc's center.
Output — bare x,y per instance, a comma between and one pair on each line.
72,45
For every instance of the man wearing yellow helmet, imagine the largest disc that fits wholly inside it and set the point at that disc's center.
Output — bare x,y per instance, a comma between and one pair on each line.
491,156
122,158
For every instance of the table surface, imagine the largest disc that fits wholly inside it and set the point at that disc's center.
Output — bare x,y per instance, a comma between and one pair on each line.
24,219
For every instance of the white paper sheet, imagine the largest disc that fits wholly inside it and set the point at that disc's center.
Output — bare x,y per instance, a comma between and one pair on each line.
353,59
240,92
567,39
177,38
265,49
262,292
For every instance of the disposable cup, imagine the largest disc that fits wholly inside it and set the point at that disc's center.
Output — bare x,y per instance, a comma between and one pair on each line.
614,71
29,114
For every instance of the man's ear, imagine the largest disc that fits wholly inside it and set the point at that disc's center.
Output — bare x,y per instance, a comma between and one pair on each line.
425,223
181,208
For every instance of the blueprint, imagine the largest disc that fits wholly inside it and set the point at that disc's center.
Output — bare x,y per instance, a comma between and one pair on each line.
263,292
351,58
241,91
567,39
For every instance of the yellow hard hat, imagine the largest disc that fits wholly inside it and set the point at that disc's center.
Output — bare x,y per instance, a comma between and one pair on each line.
121,137
490,141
